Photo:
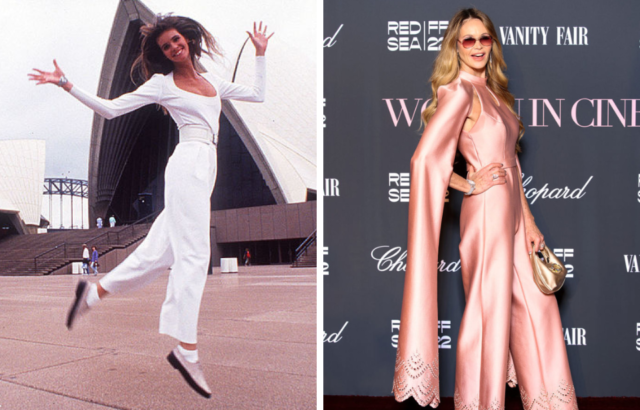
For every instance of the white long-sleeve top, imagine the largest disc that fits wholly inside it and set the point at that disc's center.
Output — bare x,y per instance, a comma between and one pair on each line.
186,108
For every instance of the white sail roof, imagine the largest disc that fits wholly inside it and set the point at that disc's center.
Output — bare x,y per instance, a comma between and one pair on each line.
22,178
284,126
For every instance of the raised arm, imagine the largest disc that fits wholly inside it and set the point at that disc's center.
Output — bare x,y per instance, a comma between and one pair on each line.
256,93
232,91
147,93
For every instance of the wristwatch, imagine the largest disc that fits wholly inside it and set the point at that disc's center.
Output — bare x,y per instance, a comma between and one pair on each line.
473,186
62,81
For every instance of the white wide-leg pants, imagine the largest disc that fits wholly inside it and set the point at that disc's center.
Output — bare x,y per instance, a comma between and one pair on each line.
179,238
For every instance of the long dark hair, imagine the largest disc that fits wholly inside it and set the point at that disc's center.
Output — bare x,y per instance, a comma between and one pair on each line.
152,60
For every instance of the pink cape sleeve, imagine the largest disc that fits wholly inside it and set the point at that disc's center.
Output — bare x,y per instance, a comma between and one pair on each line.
417,369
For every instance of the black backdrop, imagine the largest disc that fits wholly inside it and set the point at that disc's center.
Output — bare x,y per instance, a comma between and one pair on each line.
574,67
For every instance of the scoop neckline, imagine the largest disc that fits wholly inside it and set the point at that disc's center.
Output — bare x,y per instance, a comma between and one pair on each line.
173,82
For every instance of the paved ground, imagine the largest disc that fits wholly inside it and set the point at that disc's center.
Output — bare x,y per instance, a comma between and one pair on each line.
257,343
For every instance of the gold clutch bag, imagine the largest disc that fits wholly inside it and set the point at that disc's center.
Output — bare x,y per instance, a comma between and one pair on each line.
548,273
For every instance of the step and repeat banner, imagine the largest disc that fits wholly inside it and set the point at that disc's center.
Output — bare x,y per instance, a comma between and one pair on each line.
574,68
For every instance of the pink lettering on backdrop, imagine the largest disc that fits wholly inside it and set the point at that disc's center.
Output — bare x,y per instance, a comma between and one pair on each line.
409,117
557,116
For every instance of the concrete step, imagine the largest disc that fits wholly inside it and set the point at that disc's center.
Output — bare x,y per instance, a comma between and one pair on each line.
17,254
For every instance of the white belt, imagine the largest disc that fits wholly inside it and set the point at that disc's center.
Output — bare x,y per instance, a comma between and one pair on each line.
190,133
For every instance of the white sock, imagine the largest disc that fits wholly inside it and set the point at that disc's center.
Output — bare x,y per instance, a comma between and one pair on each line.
190,355
92,296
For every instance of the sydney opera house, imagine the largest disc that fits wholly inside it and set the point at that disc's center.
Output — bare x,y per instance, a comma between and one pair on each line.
21,178
264,199
265,191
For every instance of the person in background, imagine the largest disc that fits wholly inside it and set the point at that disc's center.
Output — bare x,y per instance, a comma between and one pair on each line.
247,257
112,221
94,260
85,259
99,223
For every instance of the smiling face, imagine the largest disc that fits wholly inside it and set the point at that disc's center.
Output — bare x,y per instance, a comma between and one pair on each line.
473,60
174,46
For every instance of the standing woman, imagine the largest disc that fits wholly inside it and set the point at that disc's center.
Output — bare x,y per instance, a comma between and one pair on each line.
179,238
472,112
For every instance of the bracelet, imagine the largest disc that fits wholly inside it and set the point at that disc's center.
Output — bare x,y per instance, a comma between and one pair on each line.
62,81
473,186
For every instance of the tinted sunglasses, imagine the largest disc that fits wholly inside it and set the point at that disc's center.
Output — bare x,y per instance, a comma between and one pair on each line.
470,41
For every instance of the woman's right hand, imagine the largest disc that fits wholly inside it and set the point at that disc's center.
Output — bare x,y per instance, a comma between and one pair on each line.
484,177
44,77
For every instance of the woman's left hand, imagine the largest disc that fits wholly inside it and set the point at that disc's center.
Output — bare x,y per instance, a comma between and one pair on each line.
259,38
535,239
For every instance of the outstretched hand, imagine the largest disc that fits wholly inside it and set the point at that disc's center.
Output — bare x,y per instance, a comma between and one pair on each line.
259,38
44,77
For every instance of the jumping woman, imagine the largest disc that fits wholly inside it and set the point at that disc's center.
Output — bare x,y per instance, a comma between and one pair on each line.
179,238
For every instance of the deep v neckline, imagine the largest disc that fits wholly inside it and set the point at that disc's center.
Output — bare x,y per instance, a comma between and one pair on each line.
215,90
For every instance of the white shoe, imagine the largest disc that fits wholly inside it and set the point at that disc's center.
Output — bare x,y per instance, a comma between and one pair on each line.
192,372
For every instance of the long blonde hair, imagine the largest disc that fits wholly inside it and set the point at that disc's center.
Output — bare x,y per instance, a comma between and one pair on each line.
447,66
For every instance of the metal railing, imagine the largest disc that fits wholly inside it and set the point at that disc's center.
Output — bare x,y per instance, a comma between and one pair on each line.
59,248
110,237
302,248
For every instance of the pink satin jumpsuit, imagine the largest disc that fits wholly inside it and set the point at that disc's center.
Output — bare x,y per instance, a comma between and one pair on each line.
505,312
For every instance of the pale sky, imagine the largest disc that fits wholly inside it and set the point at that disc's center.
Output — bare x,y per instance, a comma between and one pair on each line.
76,32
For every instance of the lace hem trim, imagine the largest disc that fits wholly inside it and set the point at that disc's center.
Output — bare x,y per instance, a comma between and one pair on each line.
563,398
414,377
475,404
